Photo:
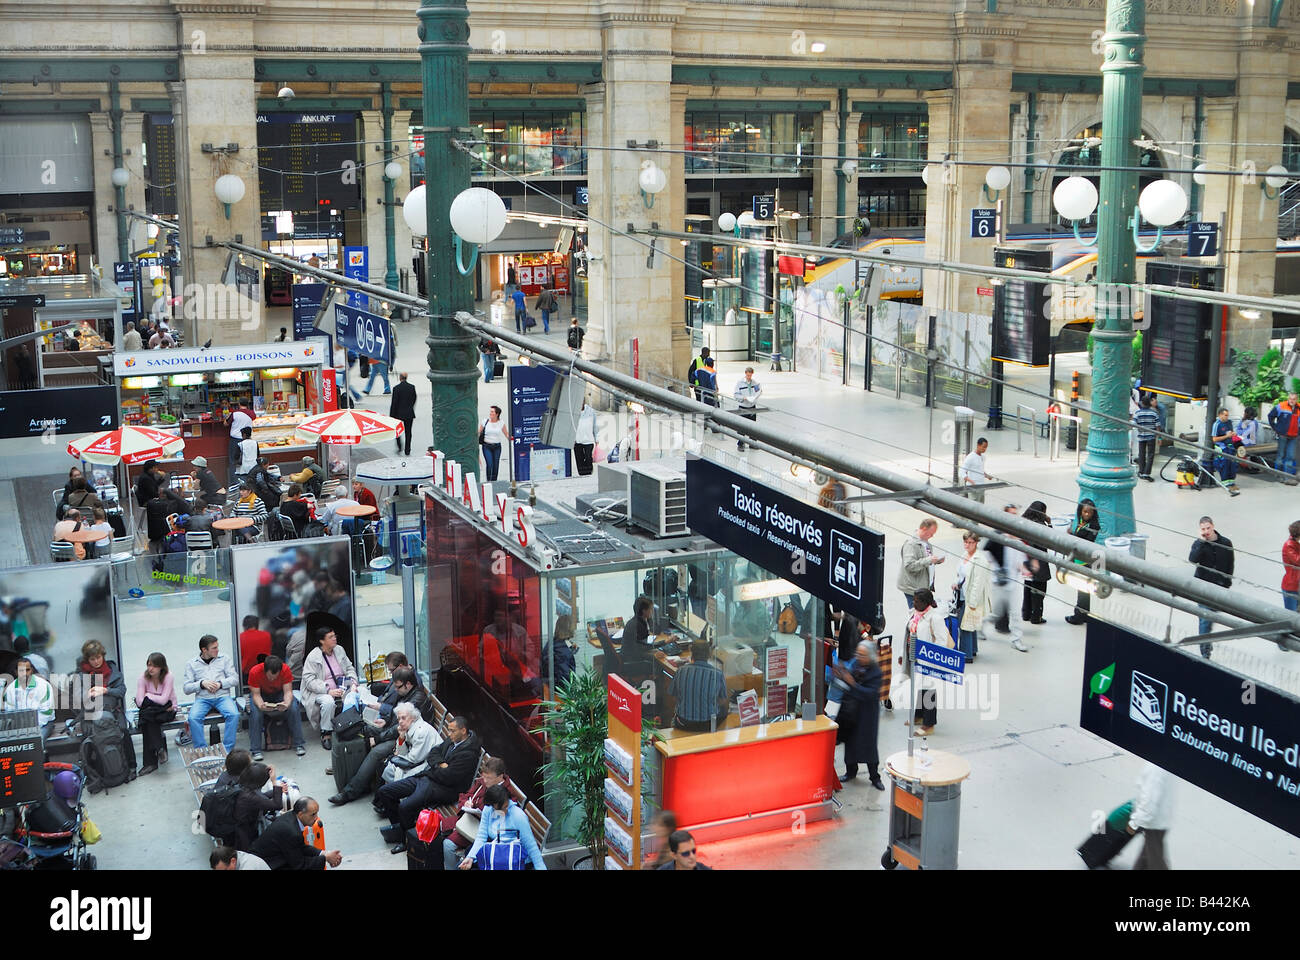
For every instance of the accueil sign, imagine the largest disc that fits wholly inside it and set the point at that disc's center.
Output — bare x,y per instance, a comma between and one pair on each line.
505,515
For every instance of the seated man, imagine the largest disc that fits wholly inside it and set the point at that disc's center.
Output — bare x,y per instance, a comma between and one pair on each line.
700,690
237,761
282,846
329,515
311,477
450,772
71,521
213,681
210,491
254,645
28,691
491,772
382,735
270,690
392,661
327,674
228,858
296,509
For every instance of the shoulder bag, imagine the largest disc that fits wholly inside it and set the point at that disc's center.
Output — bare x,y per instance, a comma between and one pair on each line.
503,853
481,434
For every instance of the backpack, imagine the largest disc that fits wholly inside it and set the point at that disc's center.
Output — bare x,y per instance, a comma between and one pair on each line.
315,529
575,338
103,754
218,809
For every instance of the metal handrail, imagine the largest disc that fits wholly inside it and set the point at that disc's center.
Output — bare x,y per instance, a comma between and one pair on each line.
1054,435
1033,423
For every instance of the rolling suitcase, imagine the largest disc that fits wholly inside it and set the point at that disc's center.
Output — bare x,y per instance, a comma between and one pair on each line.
1100,848
421,855
277,733
345,760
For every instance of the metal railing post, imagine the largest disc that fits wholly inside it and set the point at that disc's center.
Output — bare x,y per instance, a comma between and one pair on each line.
1033,423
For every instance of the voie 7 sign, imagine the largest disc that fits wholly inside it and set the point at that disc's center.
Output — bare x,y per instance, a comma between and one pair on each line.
818,551
1215,728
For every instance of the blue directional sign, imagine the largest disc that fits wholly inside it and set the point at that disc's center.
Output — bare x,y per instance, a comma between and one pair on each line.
765,206
356,264
942,662
1202,239
529,392
983,222
364,333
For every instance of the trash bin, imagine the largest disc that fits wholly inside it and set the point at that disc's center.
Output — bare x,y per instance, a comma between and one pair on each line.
924,810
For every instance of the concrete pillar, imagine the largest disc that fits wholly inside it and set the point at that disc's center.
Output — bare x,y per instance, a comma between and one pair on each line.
977,110
1234,131
637,103
826,177
372,131
216,103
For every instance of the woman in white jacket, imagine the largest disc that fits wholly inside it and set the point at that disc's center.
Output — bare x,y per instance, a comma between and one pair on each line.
1152,814
326,675
927,624
974,589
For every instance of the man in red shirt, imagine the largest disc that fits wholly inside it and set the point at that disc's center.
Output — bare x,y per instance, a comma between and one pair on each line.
270,688
363,496
252,644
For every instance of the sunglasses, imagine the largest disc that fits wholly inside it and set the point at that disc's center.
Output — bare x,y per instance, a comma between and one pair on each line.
686,853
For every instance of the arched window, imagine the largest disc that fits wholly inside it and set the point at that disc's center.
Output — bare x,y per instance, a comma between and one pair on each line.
1290,151
1076,160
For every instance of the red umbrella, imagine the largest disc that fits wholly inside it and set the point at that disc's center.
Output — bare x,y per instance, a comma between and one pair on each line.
350,426
126,445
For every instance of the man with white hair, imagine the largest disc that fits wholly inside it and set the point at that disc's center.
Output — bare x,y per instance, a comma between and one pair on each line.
384,737
328,514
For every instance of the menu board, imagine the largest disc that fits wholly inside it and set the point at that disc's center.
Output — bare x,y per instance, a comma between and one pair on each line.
308,161
1176,343
160,164
1022,331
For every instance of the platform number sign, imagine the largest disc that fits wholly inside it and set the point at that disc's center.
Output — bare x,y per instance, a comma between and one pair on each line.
1203,239
765,206
983,222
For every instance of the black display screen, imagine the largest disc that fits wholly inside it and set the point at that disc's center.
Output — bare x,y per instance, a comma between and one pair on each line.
160,159
1022,330
309,161
1176,343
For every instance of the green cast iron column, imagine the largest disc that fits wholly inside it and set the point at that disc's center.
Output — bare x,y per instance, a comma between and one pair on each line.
453,353
390,238
119,193
1107,476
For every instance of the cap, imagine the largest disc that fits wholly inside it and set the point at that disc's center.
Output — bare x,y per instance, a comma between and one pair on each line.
308,460
200,461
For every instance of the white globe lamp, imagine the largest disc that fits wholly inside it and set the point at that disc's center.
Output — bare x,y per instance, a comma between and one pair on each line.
1075,198
120,176
727,222
477,217
414,212
229,189
392,170
1162,203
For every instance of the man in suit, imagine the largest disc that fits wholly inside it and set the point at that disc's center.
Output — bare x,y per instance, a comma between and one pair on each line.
402,408
451,772
282,846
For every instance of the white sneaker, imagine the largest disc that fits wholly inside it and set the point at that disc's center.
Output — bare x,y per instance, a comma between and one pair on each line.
1019,645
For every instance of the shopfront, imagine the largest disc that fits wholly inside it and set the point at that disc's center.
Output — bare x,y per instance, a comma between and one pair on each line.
190,392
526,596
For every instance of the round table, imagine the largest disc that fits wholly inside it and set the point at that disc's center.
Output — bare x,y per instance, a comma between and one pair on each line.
360,510
231,524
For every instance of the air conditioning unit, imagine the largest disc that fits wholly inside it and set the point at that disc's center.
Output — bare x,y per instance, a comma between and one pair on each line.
657,499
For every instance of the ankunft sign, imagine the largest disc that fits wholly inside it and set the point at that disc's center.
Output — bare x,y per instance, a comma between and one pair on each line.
818,551
1224,732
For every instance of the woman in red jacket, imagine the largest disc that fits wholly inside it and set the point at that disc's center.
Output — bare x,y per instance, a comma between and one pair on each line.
1291,563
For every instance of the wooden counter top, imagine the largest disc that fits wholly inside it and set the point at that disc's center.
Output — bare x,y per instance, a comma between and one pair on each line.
944,768
676,743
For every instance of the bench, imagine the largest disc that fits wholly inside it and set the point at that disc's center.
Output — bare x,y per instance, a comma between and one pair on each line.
203,765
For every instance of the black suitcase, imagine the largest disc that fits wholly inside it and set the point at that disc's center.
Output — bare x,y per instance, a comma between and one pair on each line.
1100,848
498,368
277,732
346,757
420,855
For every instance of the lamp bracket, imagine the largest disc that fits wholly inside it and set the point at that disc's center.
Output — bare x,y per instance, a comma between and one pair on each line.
648,145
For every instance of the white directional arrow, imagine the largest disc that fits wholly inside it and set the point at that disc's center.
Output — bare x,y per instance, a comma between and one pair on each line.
382,340
105,420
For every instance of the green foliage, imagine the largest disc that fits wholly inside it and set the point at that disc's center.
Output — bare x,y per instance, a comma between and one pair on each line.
1257,382
577,723
1137,352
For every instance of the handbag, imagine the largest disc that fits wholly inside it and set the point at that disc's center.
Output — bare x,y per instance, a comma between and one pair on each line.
481,435
468,824
428,825
501,854
349,724
89,832
399,768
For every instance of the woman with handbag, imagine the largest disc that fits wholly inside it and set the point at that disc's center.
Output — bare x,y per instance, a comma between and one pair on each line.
156,699
491,437
505,837
974,596
927,625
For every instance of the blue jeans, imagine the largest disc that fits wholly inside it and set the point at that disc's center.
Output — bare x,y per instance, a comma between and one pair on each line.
379,369
489,361
1285,454
546,321
520,315
1291,600
257,720
491,460
229,710
1206,627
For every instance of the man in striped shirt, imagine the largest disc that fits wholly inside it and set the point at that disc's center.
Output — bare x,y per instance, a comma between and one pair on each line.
701,692
1147,420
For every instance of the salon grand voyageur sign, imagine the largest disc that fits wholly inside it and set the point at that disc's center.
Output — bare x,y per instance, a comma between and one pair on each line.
818,551
1218,729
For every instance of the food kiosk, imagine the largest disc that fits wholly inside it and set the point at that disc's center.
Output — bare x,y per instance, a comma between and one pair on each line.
522,575
190,392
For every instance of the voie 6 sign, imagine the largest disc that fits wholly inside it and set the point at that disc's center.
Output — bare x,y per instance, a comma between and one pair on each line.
1218,729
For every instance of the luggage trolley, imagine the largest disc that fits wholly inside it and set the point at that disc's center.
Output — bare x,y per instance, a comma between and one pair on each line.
924,810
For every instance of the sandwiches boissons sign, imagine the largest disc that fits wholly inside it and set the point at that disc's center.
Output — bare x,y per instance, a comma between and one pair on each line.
498,510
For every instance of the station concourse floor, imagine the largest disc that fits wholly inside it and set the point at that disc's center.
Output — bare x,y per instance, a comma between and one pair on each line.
1036,778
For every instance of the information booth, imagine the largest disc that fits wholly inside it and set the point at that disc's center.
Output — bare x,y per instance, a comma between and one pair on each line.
191,391
554,584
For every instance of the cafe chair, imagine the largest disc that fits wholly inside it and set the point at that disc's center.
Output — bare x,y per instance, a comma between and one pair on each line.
103,548
287,529
57,493
198,540
61,550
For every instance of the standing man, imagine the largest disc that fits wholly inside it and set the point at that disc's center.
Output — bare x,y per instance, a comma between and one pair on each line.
584,439
131,338
972,471
918,561
1285,421
546,303
490,350
247,455
284,335
1214,558
576,333
213,682
270,688
521,310
698,364
402,407
239,419
1152,811
747,393
1147,421
1008,577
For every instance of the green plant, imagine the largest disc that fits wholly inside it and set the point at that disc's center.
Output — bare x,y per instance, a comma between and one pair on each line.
577,723
1259,382
1137,352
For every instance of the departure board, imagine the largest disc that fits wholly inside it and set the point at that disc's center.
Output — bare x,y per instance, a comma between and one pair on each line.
1022,331
1176,343
160,165
309,161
